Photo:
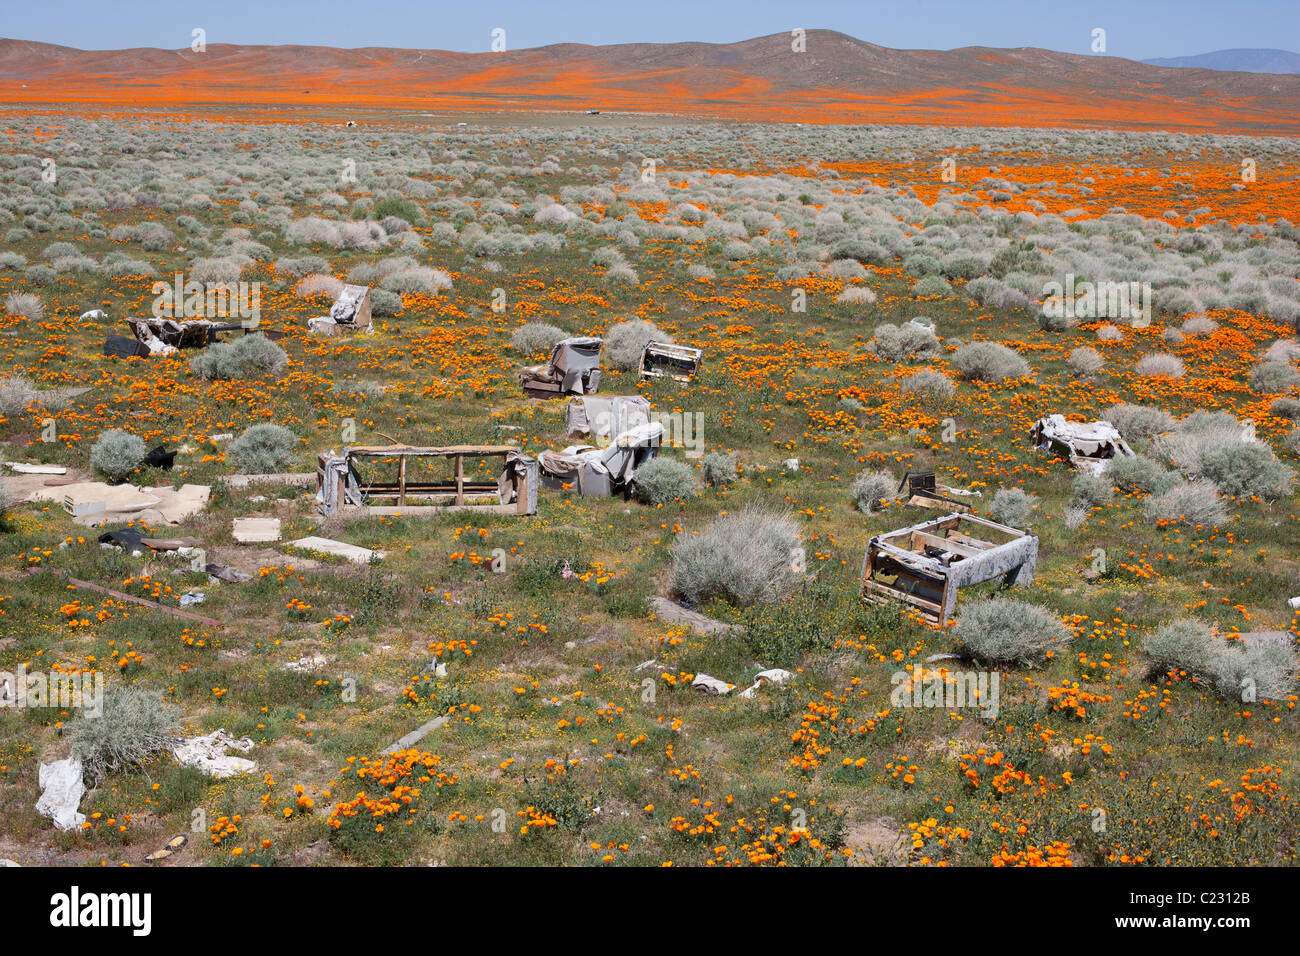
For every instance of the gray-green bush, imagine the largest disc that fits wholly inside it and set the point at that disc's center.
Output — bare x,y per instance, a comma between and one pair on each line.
262,449
662,480
116,454
1007,631
248,356
135,727
745,558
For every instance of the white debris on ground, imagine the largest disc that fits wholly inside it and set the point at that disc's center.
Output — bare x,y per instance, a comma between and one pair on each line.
256,530
340,549
306,665
208,753
61,791
711,685
773,676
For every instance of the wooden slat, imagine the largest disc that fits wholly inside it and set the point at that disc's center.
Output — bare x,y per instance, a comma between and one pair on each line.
175,612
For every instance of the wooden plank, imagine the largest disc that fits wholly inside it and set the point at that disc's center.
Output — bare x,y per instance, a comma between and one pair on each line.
460,479
175,612
401,481
948,544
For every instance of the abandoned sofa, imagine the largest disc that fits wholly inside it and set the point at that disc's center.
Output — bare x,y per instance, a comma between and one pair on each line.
602,472
926,564
573,369
603,417
500,480
1090,447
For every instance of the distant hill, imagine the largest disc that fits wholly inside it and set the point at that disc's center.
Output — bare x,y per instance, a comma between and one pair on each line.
1237,61
835,78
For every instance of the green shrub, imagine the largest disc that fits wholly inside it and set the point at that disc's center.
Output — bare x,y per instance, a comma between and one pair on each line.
16,393
1273,377
1139,473
1261,670
249,356
262,449
1089,491
534,337
718,469
1138,421
749,557
661,480
116,454
896,343
989,362
1013,506
625,341
1193,503
135,727
1248,469
928,385
870,487
1007,631
401,208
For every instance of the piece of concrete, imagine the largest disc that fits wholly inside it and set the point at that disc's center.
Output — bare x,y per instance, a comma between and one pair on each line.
256,530
208,753
711,685
673,613
341,549
416,735
25,469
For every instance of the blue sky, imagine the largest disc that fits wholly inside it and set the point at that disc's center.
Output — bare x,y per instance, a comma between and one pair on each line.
1137,29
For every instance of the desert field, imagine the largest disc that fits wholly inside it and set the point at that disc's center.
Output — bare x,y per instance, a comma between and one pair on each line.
869,301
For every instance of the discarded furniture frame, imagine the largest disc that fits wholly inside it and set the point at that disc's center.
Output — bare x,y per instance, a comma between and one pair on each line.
1090,447
926,564
156,336
572,369
667,360
922,489
602,472
340,486
604,417
349,313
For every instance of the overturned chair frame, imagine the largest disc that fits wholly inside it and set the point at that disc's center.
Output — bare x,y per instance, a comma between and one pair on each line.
926,564
668,360
340,487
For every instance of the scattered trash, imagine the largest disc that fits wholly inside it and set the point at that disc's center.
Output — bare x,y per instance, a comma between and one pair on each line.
1293,603
340,549
208,753
95,502
602,472
508,488
24,469
170,848
190,598
921,489
306,665
61,791
711,685
349,313
175,612
256,530
925,565
790,464
93,314
774,676
667,360
603,417
220,572
131,539
573,369
1089,447
160,457
415,736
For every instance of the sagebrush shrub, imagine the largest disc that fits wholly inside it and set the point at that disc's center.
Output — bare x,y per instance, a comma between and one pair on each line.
1013,506
24,304
1089,491
871,487
1160,365
1247,469
1139,473
931,285
746,558
625,341
1085,361
16,393
856,295
928,385
1285,408
895,343
249,356
1270,378
989,362
1262,670
662,480
1193,503
135,727
262,449
1007,631
116,454
534,337
1138,421
718,469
